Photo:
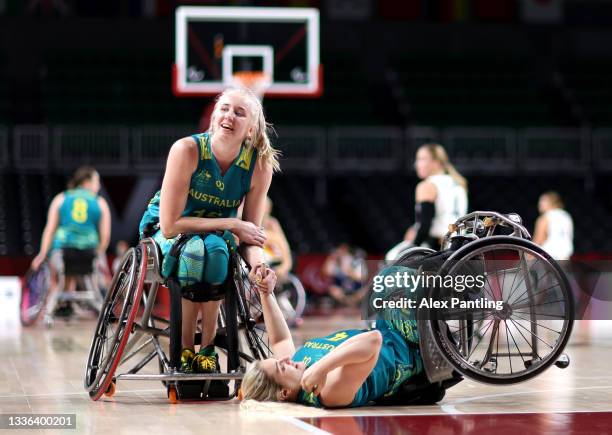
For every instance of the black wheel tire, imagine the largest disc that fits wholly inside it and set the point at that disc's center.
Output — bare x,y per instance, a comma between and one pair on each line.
439,335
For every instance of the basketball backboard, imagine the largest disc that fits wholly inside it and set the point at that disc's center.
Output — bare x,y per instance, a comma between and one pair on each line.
214,43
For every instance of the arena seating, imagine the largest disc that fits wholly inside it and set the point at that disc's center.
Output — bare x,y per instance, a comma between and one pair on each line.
484,89
369,211
590,82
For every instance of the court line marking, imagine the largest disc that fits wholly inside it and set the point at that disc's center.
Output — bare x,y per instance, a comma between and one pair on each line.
451,409
79,393
20,383
516,393
448,409
304,426
572,411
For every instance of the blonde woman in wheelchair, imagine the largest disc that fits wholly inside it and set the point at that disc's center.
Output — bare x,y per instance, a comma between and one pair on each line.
207,176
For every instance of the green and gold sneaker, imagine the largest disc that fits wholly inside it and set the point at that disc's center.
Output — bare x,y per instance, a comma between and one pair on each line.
187,357
206,361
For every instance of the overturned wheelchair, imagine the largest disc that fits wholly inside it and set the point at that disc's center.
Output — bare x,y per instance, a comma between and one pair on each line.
128,330
509,327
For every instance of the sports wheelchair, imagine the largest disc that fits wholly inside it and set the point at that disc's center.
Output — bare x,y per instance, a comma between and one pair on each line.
129,327
35,285
531,323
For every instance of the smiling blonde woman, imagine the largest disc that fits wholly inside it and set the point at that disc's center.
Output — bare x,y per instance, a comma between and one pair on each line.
207,176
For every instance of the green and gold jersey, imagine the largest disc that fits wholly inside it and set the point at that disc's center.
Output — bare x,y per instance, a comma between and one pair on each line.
79,216
396,363
211,195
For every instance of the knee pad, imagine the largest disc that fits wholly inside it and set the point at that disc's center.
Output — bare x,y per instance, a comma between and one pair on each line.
191,262
216,261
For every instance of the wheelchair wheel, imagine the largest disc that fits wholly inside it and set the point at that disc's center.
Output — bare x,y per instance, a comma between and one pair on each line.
528,332
115,322
34,288
250,315
413,253
292,299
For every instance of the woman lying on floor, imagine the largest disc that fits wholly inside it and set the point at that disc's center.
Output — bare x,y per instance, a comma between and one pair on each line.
345,369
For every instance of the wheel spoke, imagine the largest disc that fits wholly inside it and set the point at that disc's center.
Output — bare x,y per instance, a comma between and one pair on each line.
525,338
533,295
547,344
540,325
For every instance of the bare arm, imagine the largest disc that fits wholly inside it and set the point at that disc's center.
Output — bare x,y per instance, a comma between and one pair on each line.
426,192
182,163
279,334
410,234
254,209
49,231
104,226
540,233
340,373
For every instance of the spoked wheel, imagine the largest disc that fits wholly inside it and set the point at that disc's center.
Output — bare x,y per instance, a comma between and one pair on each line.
34,289
514,322
115,322
250,314
292,299
412,254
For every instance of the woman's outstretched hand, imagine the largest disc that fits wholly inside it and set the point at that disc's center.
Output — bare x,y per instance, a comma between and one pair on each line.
264,278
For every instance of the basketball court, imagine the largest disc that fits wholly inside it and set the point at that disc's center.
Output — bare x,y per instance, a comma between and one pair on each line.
44,368
276,53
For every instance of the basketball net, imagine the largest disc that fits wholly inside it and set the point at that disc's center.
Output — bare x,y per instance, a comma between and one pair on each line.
257,81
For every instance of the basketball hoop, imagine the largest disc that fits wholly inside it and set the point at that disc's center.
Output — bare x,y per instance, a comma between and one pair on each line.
257,81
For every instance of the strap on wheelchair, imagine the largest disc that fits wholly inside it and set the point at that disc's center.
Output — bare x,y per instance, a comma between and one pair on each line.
201,291
170,261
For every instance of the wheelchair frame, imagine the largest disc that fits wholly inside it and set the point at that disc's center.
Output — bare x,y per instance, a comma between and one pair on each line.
91,293
476,232
234,317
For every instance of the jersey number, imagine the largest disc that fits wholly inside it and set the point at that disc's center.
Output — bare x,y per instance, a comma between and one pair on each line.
339,336
79,210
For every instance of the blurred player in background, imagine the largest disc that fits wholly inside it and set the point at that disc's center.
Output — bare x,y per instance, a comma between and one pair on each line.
554,229
441,198
277,251
207,176
77,232
346,268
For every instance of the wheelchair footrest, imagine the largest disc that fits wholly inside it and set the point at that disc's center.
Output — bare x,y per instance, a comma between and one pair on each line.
203,390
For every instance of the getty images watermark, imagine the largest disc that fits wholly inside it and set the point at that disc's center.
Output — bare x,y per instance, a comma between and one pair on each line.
405,281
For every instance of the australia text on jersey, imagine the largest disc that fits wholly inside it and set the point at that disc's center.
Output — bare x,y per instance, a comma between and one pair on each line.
215,200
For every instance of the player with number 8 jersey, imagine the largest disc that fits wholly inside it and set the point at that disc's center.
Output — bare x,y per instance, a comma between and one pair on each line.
79,215
78,219
77,232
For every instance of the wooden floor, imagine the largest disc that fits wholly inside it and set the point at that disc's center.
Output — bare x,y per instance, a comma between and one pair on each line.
42,372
